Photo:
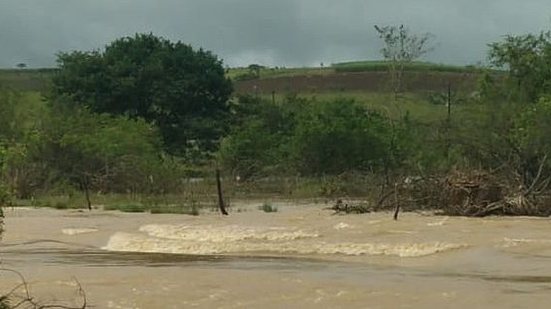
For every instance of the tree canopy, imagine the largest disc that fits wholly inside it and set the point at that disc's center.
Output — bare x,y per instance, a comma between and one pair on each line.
183,91
528,60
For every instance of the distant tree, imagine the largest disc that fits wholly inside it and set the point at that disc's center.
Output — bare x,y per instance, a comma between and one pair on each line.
254,70
183,91
528,60
401,47
21,65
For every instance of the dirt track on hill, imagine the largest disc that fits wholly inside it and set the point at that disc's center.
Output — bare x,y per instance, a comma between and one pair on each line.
362,81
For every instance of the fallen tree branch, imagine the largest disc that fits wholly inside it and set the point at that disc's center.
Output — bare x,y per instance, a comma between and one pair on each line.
538,175
28,301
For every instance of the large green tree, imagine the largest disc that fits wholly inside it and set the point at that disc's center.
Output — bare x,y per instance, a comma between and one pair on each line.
181,90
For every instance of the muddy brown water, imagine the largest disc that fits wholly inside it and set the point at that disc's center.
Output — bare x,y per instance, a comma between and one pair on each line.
299,257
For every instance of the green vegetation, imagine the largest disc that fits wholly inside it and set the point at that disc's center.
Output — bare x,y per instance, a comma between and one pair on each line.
267,207
414,66
26,79
240,74
183,92
101,136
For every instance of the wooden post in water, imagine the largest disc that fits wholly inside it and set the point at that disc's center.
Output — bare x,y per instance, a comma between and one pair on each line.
448,122
220,197
87,192
396,201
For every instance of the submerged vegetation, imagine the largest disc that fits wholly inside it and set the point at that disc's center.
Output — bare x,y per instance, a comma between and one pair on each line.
145,130
267,207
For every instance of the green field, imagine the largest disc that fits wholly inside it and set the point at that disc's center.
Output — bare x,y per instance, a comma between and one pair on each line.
26,79
418,66
353,66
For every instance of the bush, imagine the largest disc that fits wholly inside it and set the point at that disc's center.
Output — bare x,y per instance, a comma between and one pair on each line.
98,152
310,138
338,136
267,207
257,144
127,207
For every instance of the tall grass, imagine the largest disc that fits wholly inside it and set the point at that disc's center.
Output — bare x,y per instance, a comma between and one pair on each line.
26,79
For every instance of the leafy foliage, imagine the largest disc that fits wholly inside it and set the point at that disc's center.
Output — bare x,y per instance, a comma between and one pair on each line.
528,59
308,138
257,144
181,90
338,136
106,152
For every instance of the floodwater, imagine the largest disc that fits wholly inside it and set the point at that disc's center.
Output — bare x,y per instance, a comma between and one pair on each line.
299,257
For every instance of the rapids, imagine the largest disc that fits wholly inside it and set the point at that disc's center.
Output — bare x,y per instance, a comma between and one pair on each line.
299,257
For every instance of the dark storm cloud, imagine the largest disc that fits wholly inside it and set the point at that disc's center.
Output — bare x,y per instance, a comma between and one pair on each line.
271,32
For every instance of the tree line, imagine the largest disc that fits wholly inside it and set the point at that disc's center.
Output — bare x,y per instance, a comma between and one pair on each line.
144,113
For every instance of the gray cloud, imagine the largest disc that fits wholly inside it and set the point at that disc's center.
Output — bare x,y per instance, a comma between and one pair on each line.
270,32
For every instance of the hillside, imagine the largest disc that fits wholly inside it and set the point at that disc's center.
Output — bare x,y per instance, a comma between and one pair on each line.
369,76
364,76
375,81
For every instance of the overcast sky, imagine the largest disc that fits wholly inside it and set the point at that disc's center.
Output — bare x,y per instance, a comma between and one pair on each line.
268,32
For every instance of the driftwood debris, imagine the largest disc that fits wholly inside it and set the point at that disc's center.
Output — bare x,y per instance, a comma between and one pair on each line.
469,193
20,296
482,194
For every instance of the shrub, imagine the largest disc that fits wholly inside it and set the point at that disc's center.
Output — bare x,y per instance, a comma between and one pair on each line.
127,207
257,143
338,136
267,207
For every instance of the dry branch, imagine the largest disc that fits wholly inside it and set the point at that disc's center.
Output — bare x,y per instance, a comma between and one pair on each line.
15,300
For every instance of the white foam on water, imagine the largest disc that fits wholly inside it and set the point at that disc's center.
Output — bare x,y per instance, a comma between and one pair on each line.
77,231
179,239
514,242
438,223
223,234
401,250
342,226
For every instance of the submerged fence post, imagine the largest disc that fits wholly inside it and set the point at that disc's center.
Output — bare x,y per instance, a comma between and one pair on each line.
396,202
220,197
85,187
448,122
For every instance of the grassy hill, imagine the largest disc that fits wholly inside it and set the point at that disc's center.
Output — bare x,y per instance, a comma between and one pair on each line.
356,76
365,81
242,73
